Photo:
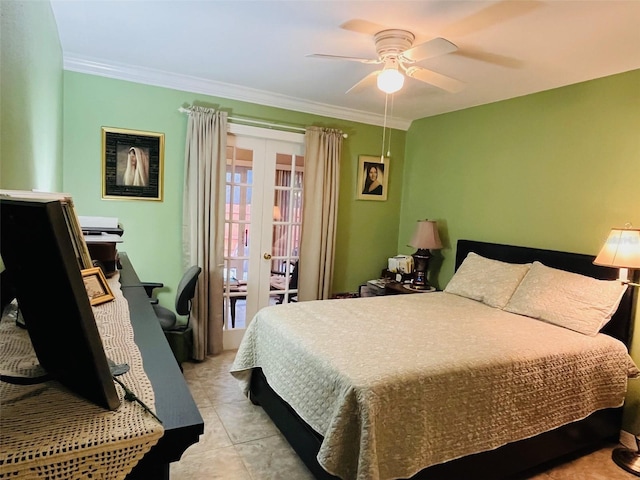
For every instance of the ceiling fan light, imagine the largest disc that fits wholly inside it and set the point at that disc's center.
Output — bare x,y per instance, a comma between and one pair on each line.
390,80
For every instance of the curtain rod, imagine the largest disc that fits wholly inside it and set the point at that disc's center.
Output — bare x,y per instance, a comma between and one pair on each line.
275,126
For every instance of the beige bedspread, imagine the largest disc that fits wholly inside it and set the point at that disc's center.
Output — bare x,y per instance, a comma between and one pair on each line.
395,384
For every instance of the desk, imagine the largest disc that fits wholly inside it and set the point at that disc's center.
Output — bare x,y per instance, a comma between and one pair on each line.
174,404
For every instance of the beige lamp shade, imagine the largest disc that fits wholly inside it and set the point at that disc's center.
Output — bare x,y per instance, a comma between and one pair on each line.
277,214
426,236
621,250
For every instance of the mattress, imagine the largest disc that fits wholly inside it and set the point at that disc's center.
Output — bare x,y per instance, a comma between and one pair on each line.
395,384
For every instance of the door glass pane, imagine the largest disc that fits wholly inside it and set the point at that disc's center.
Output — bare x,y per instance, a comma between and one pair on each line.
239,181
283,165
287,220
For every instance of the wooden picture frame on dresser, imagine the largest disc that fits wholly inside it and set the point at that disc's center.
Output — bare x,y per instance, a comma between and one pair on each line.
97,287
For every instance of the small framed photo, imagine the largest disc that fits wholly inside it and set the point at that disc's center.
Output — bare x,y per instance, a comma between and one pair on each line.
132,164
373,178
97,286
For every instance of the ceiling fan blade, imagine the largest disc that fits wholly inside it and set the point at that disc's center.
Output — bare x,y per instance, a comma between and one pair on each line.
340,57
432,48
363,26
496,13
487,57
367,81
436,79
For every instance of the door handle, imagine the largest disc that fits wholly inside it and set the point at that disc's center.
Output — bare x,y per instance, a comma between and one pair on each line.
267,256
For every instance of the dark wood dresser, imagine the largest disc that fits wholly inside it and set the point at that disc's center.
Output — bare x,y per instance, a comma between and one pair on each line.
174,404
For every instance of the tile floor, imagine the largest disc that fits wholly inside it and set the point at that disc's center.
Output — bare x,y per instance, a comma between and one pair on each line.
241,443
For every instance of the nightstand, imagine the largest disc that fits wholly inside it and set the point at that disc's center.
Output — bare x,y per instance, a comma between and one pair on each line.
397,288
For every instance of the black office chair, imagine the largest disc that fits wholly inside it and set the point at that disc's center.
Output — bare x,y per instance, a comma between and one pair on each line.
178,331
279,282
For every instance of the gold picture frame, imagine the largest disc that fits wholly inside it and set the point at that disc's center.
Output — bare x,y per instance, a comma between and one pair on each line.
132,164
373,178
96,285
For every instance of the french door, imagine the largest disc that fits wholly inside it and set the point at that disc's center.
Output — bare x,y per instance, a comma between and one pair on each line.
263,221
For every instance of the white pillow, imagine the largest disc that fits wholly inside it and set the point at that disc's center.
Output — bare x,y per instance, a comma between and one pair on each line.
566,299
488,281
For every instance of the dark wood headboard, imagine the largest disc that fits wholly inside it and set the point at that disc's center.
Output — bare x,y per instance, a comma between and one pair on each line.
621,324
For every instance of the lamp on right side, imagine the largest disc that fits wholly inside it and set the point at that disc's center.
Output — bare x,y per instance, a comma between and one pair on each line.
622,250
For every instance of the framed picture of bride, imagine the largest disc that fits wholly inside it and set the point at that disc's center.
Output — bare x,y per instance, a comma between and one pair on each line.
132,164
373,178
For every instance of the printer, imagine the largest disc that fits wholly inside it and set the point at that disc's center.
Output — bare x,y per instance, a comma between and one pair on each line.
101,235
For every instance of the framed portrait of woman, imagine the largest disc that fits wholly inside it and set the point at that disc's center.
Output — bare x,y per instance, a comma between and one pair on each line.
132,164
373,178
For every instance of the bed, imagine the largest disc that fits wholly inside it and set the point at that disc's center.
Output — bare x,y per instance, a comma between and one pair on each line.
442,385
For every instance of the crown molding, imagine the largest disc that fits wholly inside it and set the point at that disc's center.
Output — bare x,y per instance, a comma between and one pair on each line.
188,83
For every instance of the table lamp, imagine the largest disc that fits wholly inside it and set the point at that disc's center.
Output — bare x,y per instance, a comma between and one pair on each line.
622,250
627,458
425,238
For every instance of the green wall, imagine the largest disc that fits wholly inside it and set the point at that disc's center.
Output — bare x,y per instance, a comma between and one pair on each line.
366,233
552,170
31,97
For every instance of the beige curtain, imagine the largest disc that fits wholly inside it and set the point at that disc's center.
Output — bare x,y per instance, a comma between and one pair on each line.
323,148
203,223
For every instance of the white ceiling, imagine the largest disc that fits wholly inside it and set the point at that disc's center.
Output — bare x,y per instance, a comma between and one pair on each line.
255,50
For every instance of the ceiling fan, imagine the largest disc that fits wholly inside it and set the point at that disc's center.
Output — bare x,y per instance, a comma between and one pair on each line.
399,56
